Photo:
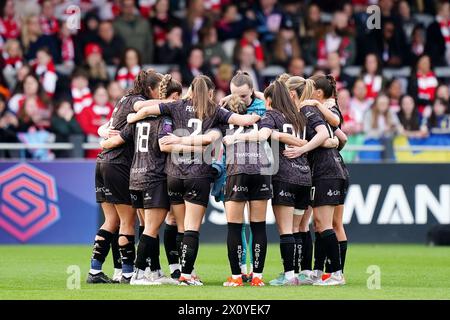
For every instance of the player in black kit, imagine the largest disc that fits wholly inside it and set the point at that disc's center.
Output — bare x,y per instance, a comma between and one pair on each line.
189,178
248,171
326,94
112,176
328,181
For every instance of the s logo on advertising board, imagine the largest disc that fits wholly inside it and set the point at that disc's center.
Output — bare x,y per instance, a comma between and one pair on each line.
28,201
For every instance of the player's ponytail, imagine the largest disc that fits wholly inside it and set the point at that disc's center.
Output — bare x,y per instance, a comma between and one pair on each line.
304,88
236,104
201,99
328,85
168,85
282,102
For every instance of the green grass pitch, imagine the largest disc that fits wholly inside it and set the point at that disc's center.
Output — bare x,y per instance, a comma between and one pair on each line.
407,272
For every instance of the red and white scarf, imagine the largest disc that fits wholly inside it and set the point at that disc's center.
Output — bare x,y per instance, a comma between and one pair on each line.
14,62
126,76
82,98
67,49
47,77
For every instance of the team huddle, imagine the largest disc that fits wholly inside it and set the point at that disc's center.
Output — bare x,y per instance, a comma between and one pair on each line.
164,155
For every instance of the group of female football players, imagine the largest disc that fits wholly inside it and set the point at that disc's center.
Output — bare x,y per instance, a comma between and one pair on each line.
162,154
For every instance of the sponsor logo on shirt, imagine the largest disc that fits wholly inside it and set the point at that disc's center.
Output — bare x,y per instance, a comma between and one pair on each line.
147,197
240,188
138,170
298,166
190,108
332,193
176,194
287,194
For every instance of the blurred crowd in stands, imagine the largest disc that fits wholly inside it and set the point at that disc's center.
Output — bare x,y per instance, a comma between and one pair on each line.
58,81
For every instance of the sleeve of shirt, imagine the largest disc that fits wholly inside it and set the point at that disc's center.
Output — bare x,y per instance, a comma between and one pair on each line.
166,108
223,115
165,128
313,117
127,133
267,121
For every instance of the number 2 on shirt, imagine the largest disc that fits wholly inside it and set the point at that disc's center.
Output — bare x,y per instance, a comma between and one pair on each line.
197,124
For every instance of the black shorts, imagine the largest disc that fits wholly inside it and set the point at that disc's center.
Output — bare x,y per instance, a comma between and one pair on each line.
328,192
191,190
111,183
154,196
248,187
291,195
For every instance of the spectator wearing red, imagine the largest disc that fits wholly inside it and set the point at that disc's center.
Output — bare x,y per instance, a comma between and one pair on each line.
81,94
45,70
250,38
94,116
95,65
67,45
129,68
49,23
350,125
12,56
146,7
30,88
9,26
423,84
338,39
359,104
372,76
